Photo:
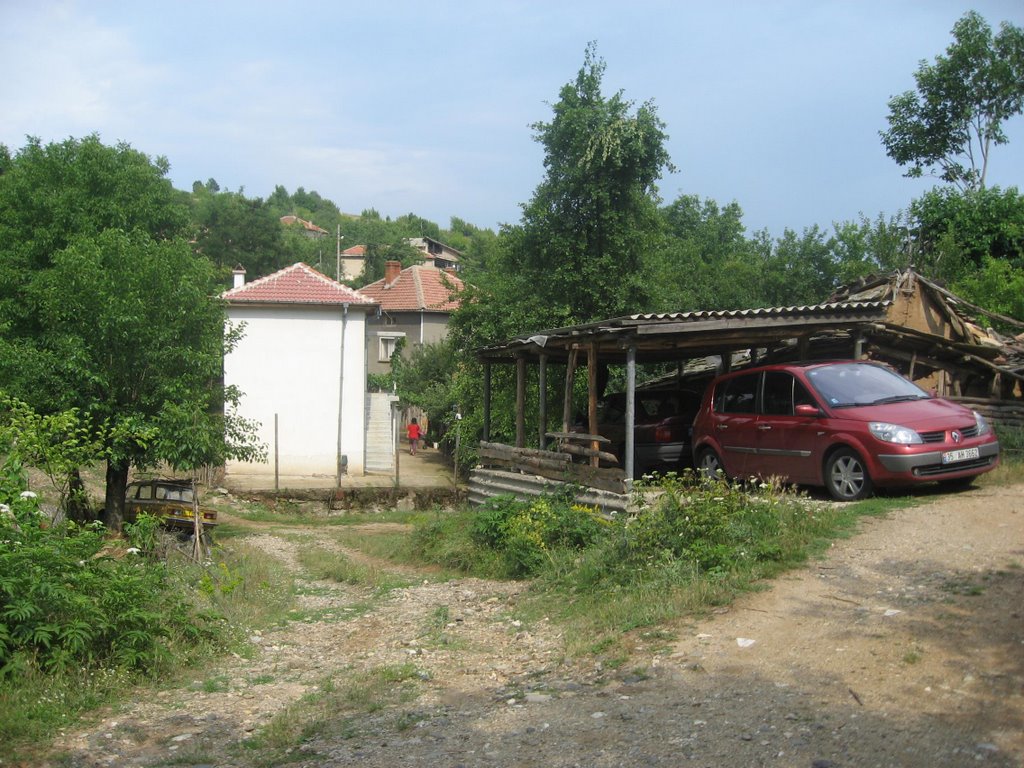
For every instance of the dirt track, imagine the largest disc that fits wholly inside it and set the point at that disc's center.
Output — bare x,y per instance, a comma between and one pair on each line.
904,647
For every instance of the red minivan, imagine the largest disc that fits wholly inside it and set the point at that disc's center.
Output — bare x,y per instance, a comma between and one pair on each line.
850,426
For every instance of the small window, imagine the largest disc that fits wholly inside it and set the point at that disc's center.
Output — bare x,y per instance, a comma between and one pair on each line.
144,492
386,348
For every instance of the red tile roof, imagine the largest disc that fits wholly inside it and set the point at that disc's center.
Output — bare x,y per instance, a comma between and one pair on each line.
419,287
297,284
355,250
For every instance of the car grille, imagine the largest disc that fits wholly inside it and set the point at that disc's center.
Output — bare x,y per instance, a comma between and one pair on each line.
932,470
940,435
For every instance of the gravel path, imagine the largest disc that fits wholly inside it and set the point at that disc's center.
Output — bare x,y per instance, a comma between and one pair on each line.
903,647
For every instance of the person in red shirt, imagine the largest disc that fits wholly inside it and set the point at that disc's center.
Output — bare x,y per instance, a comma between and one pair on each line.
413,433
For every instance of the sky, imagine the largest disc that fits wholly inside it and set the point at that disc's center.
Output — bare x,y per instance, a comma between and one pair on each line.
427,107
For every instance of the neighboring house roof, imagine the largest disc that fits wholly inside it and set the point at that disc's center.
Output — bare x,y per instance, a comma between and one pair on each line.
435,249
309,226
416,288
297,284
355,250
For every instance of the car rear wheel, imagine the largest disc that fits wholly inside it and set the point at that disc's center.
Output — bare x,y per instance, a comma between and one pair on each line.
709,466
846,477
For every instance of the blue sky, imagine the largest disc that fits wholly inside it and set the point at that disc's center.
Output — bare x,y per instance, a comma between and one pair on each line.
425,107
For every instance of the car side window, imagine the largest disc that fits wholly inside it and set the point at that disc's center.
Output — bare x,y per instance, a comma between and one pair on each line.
738,395
777,396
144,492
782,393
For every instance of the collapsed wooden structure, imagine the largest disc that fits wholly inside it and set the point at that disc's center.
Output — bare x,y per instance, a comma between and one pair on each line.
913,324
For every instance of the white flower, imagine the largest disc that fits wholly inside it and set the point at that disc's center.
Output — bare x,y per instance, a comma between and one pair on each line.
133,550
4,509
28,495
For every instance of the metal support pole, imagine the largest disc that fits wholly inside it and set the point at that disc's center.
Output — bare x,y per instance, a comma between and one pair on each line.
630,412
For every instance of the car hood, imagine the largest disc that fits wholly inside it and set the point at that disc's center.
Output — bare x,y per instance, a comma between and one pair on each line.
922,415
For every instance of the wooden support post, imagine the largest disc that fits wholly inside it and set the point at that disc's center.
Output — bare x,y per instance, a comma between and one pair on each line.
628,460
520,402
542,406
570,378
592,398
486,437
803,346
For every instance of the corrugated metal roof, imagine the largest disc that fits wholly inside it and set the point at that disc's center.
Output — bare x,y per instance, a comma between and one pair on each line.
699,332
297,284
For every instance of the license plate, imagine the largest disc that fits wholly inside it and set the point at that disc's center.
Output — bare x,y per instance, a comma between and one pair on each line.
964,454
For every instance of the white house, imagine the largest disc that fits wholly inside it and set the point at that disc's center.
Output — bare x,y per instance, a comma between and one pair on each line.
301,366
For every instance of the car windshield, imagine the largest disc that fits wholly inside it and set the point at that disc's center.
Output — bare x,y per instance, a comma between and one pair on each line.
846,385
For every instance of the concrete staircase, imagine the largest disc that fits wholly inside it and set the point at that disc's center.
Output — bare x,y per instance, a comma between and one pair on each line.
380,439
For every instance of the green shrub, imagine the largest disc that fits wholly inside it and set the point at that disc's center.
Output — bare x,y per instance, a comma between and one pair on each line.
70,600
526,533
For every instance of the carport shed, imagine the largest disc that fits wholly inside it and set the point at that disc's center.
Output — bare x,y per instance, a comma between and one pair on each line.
905,320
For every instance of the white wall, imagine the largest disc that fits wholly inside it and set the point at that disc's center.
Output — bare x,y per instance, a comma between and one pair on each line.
289,363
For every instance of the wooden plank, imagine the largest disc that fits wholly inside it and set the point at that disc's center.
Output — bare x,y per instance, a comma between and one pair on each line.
582,450
582,437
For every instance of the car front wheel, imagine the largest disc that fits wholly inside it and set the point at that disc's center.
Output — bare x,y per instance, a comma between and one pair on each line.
709,465
846,477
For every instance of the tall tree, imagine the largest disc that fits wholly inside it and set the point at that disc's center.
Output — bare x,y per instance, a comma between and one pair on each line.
107,310
584,237
956,115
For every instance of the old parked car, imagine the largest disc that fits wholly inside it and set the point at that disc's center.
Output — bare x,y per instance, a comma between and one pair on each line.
663,422
170,500
850,426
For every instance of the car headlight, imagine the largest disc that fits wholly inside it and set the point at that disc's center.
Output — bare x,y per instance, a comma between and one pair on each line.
894,433
983,427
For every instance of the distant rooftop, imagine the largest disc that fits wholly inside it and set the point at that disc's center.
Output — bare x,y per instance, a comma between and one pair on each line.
297,284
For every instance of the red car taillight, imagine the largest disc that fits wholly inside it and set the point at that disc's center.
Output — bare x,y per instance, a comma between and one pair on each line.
663,434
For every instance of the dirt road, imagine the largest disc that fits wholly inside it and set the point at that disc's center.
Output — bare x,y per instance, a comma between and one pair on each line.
904,647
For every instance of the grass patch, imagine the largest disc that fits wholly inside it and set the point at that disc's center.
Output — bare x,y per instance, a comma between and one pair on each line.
328,565
310,514
338,707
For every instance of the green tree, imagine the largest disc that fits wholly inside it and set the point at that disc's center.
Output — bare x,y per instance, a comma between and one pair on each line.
795,269
956,115
580,251
232,229
955,232
707,262
108,311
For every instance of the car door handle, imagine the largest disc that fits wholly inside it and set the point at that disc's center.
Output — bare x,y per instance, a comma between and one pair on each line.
721,427
764,427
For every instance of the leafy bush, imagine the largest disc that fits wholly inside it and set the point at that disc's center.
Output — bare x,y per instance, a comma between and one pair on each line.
714,526
524,534
69,600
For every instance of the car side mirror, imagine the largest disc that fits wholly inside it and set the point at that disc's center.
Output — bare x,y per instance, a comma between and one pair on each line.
808,410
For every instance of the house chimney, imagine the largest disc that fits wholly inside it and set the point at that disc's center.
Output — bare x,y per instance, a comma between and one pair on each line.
391,271
239,273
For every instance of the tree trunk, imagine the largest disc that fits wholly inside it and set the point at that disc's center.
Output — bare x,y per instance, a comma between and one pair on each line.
76,505
117,483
